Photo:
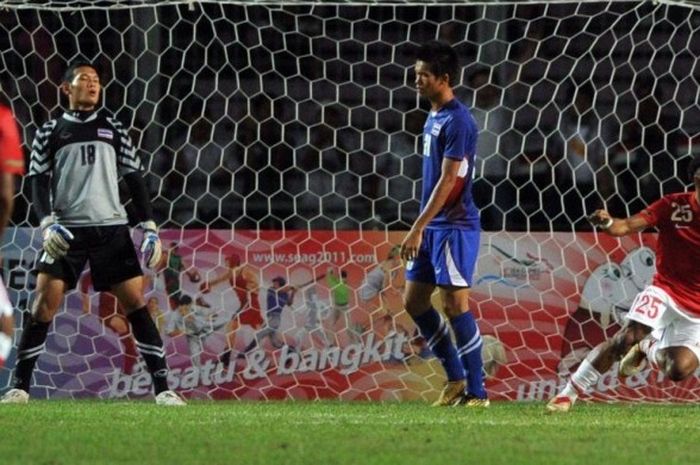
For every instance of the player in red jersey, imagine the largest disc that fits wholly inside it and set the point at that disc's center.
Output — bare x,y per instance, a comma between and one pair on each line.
669,306
11,164
246,285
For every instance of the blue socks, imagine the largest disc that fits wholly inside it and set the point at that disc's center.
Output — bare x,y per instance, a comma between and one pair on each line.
435,330
469,350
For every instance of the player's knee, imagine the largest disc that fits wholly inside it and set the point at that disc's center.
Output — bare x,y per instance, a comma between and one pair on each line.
453,312
679,365
44,309
131,301
415,307
7,324
678,371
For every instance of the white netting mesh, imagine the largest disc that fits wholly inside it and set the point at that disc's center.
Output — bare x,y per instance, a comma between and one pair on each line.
286,135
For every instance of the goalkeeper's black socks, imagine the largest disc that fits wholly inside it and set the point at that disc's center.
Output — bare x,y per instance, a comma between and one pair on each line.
150,345
31,345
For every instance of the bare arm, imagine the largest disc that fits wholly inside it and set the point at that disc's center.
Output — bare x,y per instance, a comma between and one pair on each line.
618,227
448,177
7,199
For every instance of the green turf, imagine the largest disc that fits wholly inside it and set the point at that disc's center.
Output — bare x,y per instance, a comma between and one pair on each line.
87,432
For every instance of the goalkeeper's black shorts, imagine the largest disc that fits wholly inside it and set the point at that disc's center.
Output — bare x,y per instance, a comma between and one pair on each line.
109,250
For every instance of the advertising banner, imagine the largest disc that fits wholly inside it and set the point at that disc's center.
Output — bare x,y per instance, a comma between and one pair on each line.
319,314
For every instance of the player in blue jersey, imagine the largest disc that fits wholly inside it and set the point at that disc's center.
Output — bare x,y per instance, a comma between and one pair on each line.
442,246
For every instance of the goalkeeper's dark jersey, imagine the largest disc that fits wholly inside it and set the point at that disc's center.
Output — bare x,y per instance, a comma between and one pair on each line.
85,154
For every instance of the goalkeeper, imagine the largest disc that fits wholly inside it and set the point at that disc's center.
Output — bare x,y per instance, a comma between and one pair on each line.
76,163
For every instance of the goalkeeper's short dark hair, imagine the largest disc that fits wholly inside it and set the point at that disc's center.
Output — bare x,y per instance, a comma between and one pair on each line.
693,166
68,75
441,59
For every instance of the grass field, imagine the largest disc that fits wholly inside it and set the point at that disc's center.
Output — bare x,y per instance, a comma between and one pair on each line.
88,432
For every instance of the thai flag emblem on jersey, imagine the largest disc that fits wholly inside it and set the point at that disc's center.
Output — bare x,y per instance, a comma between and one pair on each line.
105,133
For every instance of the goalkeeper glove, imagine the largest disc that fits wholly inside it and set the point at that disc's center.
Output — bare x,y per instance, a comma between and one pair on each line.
151,248
56,238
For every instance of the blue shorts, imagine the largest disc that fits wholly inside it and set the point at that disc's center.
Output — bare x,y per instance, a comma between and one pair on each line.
447,257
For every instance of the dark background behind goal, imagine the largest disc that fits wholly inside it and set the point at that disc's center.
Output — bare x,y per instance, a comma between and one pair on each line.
305,116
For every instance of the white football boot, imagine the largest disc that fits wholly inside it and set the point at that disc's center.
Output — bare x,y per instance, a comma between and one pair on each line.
170,398
15,396
560,404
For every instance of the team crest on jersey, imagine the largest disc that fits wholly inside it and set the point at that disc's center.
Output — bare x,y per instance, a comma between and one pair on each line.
105,133
436,129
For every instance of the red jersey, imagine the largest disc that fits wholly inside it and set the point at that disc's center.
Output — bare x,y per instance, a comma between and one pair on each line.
11,158
677,216
240,287
250,310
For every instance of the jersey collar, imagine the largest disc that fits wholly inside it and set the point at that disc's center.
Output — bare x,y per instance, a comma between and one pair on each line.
77,116
449,104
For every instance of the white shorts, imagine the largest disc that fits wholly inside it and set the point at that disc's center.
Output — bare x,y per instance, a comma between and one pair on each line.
5,305
672,326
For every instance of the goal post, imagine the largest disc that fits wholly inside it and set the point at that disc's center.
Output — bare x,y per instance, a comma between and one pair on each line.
281,139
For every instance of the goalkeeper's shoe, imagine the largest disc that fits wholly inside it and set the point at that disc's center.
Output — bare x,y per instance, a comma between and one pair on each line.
451,394
15,396
560,404
633,362
471,401
170,398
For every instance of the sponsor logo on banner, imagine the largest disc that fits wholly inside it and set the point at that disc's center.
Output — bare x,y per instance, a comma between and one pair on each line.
515,271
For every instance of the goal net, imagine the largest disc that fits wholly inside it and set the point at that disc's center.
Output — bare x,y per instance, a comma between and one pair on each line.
281,146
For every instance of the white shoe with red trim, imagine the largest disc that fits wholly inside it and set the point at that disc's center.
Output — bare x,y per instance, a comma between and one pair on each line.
560,404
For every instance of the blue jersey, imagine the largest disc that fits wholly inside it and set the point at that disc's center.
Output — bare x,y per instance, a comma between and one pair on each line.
451,132
276,300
